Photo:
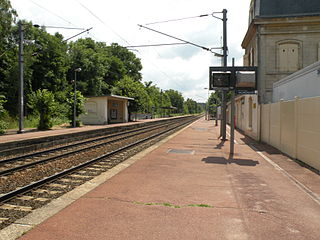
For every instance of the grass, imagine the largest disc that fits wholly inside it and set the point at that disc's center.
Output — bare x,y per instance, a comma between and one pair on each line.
172,205
32,122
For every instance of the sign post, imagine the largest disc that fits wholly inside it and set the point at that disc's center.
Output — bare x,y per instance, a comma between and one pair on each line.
241,80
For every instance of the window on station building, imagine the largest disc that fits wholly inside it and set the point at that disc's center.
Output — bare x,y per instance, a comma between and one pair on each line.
250,111
251,57
288,55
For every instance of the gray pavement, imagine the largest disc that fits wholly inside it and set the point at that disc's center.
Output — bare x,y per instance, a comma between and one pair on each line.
190,188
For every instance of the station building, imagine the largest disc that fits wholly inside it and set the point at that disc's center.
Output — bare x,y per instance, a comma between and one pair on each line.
106,109
283,41
283,37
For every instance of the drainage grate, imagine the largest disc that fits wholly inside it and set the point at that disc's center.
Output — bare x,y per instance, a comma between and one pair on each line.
181,151
200,129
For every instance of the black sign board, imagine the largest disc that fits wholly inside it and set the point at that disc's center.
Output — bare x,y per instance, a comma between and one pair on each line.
238,78
219,80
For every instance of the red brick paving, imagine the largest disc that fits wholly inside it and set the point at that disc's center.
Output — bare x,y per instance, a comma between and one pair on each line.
244,197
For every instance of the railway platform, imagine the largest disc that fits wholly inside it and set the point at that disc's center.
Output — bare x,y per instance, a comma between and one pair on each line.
188,187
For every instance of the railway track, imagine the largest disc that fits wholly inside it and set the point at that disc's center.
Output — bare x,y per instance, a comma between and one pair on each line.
50,173
11,165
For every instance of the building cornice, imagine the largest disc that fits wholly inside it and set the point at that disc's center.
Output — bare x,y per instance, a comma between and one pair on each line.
277,21
249,34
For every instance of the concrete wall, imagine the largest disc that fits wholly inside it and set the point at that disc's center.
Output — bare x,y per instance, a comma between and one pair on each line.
104,110
293,127
304,83
96,111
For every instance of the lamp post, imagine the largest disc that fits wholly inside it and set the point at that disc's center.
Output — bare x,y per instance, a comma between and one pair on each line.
75,97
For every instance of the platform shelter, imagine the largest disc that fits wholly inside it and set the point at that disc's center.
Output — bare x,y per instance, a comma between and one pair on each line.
106,109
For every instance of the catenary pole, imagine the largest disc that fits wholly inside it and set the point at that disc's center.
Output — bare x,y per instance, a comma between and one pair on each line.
224,92
232,116
21,80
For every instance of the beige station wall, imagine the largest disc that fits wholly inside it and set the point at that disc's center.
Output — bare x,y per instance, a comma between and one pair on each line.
247,113
293,127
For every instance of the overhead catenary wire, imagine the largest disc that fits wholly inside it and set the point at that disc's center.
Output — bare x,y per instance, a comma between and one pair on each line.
185,41
51,12
156,45
177,19
185,18
69,28
87,30
100,20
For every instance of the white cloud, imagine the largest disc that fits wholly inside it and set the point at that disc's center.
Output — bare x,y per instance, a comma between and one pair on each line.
183,68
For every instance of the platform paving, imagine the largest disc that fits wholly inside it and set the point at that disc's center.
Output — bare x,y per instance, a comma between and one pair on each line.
190,188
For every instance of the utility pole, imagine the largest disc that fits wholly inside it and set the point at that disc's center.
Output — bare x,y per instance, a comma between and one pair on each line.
232,114
21,80
224,92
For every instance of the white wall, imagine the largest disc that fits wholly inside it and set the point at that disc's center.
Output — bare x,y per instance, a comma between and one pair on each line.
303,83
293,128
96,111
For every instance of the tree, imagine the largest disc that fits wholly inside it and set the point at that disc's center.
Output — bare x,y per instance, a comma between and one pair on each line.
132,65
191,106
129,88
42,102
92,58
176,99
214,101
49,66
3,114
155,96
79,107
8,50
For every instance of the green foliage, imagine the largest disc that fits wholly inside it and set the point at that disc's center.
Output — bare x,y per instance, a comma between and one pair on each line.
158,99
80,100
129,88
92,58
50,63
131,64
214,101
176,99
3,115
42,102
191,107
8,48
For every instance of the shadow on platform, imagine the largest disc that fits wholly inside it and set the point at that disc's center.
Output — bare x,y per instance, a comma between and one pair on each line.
222,160
220,145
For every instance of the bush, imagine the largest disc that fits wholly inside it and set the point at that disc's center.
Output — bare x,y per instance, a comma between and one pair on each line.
42,102
79,107
3,115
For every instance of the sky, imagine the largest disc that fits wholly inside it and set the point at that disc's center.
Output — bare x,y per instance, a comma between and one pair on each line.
182,67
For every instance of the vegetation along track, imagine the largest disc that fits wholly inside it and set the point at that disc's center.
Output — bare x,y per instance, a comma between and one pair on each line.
28,188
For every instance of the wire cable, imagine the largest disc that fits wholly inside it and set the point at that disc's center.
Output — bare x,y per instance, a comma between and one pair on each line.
69,28
87,30
156,45
52,12
100,20
177,19
185,18
191,43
